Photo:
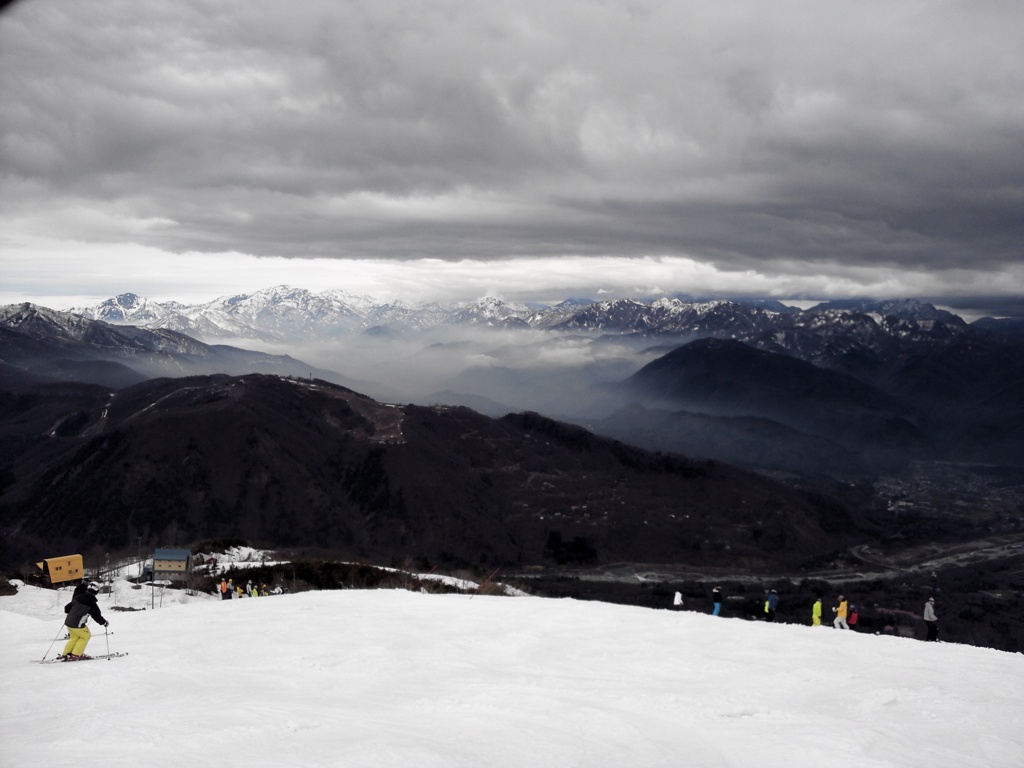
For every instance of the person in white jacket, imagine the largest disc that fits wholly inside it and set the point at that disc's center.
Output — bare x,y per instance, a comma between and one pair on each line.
929,619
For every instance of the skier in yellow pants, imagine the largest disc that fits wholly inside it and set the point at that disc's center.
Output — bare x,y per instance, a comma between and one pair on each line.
82,606
80,637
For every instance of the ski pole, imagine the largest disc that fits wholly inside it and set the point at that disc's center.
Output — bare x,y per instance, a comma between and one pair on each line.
54,641
107,635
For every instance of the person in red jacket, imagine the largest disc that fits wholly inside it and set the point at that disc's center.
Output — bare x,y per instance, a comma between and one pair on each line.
82,606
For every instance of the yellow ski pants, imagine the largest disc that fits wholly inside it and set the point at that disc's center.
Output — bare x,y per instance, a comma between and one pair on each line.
80,637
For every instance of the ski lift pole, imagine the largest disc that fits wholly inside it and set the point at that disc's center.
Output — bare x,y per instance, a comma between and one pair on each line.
484,583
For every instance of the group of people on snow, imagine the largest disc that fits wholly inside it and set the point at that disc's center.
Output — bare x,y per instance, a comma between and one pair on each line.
845,613
228,590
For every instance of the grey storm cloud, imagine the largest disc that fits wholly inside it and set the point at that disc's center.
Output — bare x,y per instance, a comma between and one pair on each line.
801,134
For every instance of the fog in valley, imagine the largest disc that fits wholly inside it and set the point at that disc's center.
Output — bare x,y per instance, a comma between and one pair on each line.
790,417
565,376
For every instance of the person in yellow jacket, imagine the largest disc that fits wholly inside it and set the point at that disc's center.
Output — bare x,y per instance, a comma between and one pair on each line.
816,613
840,611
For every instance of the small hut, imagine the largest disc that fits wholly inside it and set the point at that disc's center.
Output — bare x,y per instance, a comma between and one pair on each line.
172,564
61,570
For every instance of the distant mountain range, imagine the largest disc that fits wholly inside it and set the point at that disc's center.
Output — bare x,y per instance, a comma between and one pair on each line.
283,314
836,390
41,344
850,386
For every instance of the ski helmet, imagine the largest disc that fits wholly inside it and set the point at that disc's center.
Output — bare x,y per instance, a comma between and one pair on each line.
93,587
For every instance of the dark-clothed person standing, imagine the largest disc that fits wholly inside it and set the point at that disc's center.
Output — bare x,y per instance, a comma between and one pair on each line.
82,606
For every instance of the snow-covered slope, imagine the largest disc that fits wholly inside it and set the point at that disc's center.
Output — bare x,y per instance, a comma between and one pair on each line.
394,678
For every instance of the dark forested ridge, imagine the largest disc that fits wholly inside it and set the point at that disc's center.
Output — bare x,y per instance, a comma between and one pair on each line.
293,462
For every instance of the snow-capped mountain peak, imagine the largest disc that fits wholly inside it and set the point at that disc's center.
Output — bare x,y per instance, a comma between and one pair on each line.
283,313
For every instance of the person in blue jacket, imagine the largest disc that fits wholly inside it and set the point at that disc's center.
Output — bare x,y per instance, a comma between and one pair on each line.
770,605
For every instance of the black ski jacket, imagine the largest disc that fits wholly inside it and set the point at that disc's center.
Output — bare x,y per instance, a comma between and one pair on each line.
82,607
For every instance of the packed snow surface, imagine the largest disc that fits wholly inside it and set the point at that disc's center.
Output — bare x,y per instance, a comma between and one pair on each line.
390,678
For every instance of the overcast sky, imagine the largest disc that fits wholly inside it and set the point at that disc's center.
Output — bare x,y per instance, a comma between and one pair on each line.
447,149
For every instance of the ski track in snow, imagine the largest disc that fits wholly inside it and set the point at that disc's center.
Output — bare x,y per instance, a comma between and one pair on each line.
387,678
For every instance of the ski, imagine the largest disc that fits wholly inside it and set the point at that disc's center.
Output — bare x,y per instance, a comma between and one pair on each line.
107,656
